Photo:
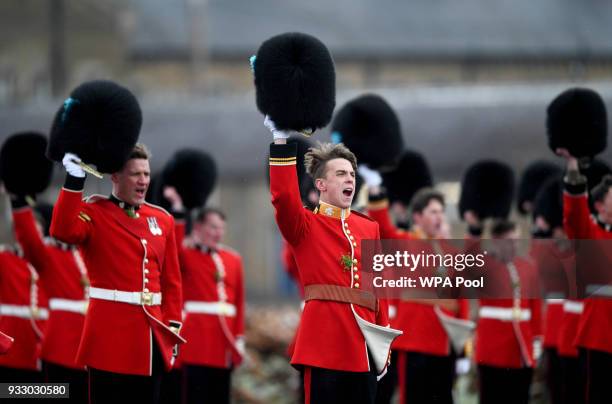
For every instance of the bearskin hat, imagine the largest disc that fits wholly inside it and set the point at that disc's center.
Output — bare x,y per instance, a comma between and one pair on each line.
295,81
24,168
411,174
487,189
100,122
548,202
577,120
536,174
369,127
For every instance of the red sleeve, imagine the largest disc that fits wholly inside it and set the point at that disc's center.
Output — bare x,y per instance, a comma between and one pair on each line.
536,316
72,218
576,216
34,248
171,287
379,211
239,330
291,216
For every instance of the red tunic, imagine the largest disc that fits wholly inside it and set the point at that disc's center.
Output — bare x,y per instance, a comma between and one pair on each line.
423,331
213,306
125,254
64,278
328,335
595,326
22,311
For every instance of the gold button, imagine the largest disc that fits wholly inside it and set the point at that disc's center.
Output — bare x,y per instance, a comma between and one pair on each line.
345,224
356,277
348,231
146,271
357,285
146,280
354,244
145,290
146,260
143,241
354,260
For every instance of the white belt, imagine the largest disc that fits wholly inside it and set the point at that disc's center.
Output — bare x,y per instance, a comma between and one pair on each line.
223,308
599,290
13,310
554,301
74,306
504,313
137,298
573,307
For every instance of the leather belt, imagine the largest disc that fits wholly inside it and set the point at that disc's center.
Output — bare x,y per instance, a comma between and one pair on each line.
341,294
136,298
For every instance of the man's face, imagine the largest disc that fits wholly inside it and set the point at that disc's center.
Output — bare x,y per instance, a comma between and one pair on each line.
604,208
431,219
131,183
211,231
338,186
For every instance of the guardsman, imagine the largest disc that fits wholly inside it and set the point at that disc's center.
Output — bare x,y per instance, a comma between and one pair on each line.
134,315
23,315
507,326
64,278
335,340
594,327
213,295
426,361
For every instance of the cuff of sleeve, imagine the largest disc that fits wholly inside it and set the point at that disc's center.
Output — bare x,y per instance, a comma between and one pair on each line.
74,183
575,189
175,326
178,214
18,201
475,231
283,154
376,202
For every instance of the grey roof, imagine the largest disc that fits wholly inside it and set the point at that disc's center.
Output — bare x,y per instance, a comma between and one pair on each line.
382,28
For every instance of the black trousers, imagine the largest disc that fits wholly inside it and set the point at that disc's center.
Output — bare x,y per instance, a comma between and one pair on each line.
205,384
426,378
76,378
326,386
553,375
386,386
118,388
572,380
598,367
172,387
504,385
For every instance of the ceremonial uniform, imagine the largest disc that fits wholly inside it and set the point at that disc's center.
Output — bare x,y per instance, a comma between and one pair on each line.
426,362
64,278
326,244
506,330
595,324
135,292
23,315
213,294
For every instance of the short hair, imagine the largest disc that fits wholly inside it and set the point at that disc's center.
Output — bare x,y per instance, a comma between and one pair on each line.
502,226
598,194
140,151
315,160
423,197
203,213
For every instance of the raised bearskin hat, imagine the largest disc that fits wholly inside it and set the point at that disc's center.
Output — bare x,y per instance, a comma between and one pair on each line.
577,120
24,168
100,122
534,176
369,127
548,202
411,174
295,81
487,189
193,173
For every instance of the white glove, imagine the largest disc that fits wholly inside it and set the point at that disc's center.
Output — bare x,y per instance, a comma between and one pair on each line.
278,134
371,177
537,348
70,163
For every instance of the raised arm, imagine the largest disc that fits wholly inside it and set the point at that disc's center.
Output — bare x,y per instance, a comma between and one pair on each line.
28,236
